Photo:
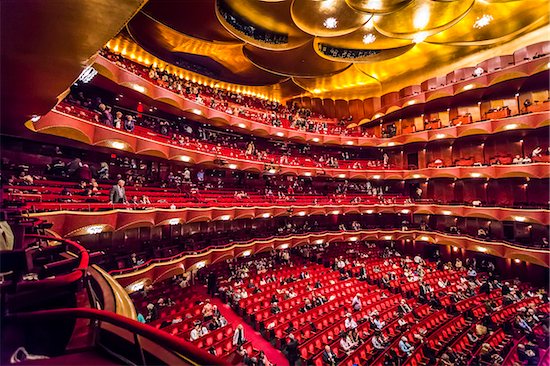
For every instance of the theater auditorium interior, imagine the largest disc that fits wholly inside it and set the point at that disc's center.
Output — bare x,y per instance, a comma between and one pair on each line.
275,182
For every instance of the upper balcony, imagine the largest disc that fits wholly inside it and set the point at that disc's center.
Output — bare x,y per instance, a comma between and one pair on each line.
258,120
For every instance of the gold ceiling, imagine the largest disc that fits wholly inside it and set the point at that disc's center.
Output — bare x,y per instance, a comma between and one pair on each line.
333,48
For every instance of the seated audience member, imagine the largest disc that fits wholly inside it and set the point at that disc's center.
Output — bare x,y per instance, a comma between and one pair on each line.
329,357
198,331
238,336
405,346
350,323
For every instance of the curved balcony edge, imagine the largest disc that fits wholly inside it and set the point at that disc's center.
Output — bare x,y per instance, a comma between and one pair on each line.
158,269
74,223
91,133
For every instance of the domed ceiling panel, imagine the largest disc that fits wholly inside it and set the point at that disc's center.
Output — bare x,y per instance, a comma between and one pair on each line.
167,43
272,16
339,85
422,16
302,61
377,6
327,18
488,23
196,18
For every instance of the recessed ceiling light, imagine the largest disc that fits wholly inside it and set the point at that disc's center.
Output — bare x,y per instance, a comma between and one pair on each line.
422,16
440,136
96,229
468,87
330,23
232,166
369,38
241,125
391,143
117,145
185,158
280,134
349,143
315,139
316,91
483,21
173,221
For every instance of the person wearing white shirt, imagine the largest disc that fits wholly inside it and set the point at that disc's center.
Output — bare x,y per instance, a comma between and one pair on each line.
405,347
356,302
346,346
442,283
379,323
377,342
198,332
350,322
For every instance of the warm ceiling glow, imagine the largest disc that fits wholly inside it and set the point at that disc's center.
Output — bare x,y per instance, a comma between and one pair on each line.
284,246
511,126
241,125
225,217
272,171
422,16
327,4
369,38
266,215
319,241
411,102
301,213
307,174
391,143
440,136
335,212
475,175
416,176
118,145
197,111
330,23
446,213
316,91
424,238
518,261
520,218
315,139
341,175
455,249
468,87
174,221
280,134
420,37
353,238
370,211
483,21
349,143
201,264
246,253
482,249
185,158
233,166
35,118
405,211
388,237
96,229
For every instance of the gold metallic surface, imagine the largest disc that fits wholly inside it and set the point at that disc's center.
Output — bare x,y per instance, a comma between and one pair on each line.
412,40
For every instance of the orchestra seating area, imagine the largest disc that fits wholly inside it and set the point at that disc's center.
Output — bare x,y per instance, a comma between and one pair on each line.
473,319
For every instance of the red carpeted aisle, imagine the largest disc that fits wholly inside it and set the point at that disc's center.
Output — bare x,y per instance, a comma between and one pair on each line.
258,342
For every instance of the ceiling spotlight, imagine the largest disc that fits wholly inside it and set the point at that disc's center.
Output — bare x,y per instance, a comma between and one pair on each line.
316,91
391,143
241,125
483,21
185,158
420,37
440,136
327,4
330,23
233,166
280,134
117,145
369,38
422,16
315,139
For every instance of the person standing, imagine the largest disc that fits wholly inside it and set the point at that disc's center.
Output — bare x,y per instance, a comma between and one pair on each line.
292,350
118,193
